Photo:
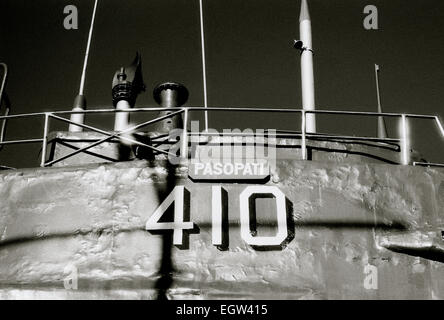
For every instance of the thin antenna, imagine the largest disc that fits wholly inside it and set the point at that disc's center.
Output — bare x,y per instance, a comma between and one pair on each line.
80,100
4,98
382,130
5,78
203,64
85,62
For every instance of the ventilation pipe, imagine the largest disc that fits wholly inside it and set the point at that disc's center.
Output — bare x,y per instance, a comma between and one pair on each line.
170,95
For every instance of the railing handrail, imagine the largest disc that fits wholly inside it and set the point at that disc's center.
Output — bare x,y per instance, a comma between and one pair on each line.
404,139
236,109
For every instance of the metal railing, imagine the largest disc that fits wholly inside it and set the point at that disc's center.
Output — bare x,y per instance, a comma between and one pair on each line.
403,140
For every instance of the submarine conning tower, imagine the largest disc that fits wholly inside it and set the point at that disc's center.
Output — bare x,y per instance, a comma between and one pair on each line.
316,216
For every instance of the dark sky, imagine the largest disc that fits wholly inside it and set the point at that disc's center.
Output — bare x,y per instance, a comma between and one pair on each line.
250,60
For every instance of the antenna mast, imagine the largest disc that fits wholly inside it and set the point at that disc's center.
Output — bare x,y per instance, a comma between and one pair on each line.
204,75
80,100
307,77
4,98
85,63
382,130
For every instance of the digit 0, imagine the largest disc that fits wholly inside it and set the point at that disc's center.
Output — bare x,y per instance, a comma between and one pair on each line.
279,198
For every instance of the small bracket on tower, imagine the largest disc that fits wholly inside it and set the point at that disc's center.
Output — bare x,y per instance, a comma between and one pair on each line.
299,45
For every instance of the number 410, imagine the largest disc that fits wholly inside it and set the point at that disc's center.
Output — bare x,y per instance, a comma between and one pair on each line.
179,225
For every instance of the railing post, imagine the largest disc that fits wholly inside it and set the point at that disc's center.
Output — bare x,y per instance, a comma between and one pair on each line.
304,141
5,78
438,123
184,149
45,140
405,149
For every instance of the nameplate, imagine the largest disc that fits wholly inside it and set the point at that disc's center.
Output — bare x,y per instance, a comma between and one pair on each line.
231,170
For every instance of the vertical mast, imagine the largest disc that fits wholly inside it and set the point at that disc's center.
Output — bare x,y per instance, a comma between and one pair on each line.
80,100
85,62
307,77
4,99
382,130
204,74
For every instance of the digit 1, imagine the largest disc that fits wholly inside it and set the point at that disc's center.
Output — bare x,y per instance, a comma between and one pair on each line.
216,206
219,217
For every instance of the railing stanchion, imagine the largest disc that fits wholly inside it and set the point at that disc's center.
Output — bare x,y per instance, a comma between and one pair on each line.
304,141
404,141
438,123
184,149
45,140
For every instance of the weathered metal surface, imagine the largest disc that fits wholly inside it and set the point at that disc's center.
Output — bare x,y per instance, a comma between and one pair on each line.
346,217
